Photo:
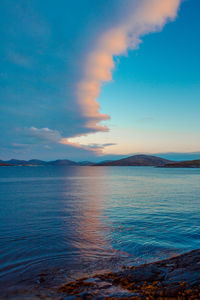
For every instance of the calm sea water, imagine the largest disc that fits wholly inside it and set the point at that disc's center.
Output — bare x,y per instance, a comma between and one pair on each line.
70,221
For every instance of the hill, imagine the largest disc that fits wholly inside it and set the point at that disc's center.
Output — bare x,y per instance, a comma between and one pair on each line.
62,162
15,162
36,162
137,160
184,164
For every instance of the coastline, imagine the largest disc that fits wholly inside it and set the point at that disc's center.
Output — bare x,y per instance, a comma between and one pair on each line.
174,278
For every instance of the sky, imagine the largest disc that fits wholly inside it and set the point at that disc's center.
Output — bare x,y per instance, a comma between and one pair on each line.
99,79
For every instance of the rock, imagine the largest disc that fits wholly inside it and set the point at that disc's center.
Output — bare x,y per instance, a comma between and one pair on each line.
104,285
144,273
174,278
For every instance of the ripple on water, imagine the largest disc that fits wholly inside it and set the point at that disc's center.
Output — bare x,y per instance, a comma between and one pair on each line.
72,221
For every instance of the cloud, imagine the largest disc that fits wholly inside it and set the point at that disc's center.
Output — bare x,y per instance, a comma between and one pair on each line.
145,16
28,20
97,148
19,146
43,134
69,63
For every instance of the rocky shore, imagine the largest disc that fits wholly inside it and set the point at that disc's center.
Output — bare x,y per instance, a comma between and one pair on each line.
174,278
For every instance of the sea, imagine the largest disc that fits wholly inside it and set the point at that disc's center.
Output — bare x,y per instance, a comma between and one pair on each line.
59,223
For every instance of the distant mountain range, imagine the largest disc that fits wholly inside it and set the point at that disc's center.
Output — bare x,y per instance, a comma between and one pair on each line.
135,160
36,162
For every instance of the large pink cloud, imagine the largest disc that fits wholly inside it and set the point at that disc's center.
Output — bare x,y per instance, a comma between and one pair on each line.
144,16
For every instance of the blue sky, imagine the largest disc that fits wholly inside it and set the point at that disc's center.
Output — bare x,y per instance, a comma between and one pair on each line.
96,79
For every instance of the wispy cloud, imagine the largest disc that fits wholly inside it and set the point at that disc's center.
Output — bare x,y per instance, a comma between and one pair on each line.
18,145
97,148
44,135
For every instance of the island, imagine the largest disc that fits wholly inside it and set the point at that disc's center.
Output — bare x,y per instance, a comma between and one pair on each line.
184,164
2,164
137,160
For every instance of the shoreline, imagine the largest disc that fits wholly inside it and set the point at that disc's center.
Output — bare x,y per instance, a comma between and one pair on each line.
174,278
177,277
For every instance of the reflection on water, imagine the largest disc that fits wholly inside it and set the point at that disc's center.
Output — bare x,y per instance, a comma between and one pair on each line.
72,221
87,224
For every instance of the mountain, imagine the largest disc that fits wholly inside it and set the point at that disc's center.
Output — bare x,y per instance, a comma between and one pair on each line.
184,164
62,162
16,162
37,162
137,160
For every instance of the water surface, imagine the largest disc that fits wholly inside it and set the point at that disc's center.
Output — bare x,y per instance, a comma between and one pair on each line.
70,221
